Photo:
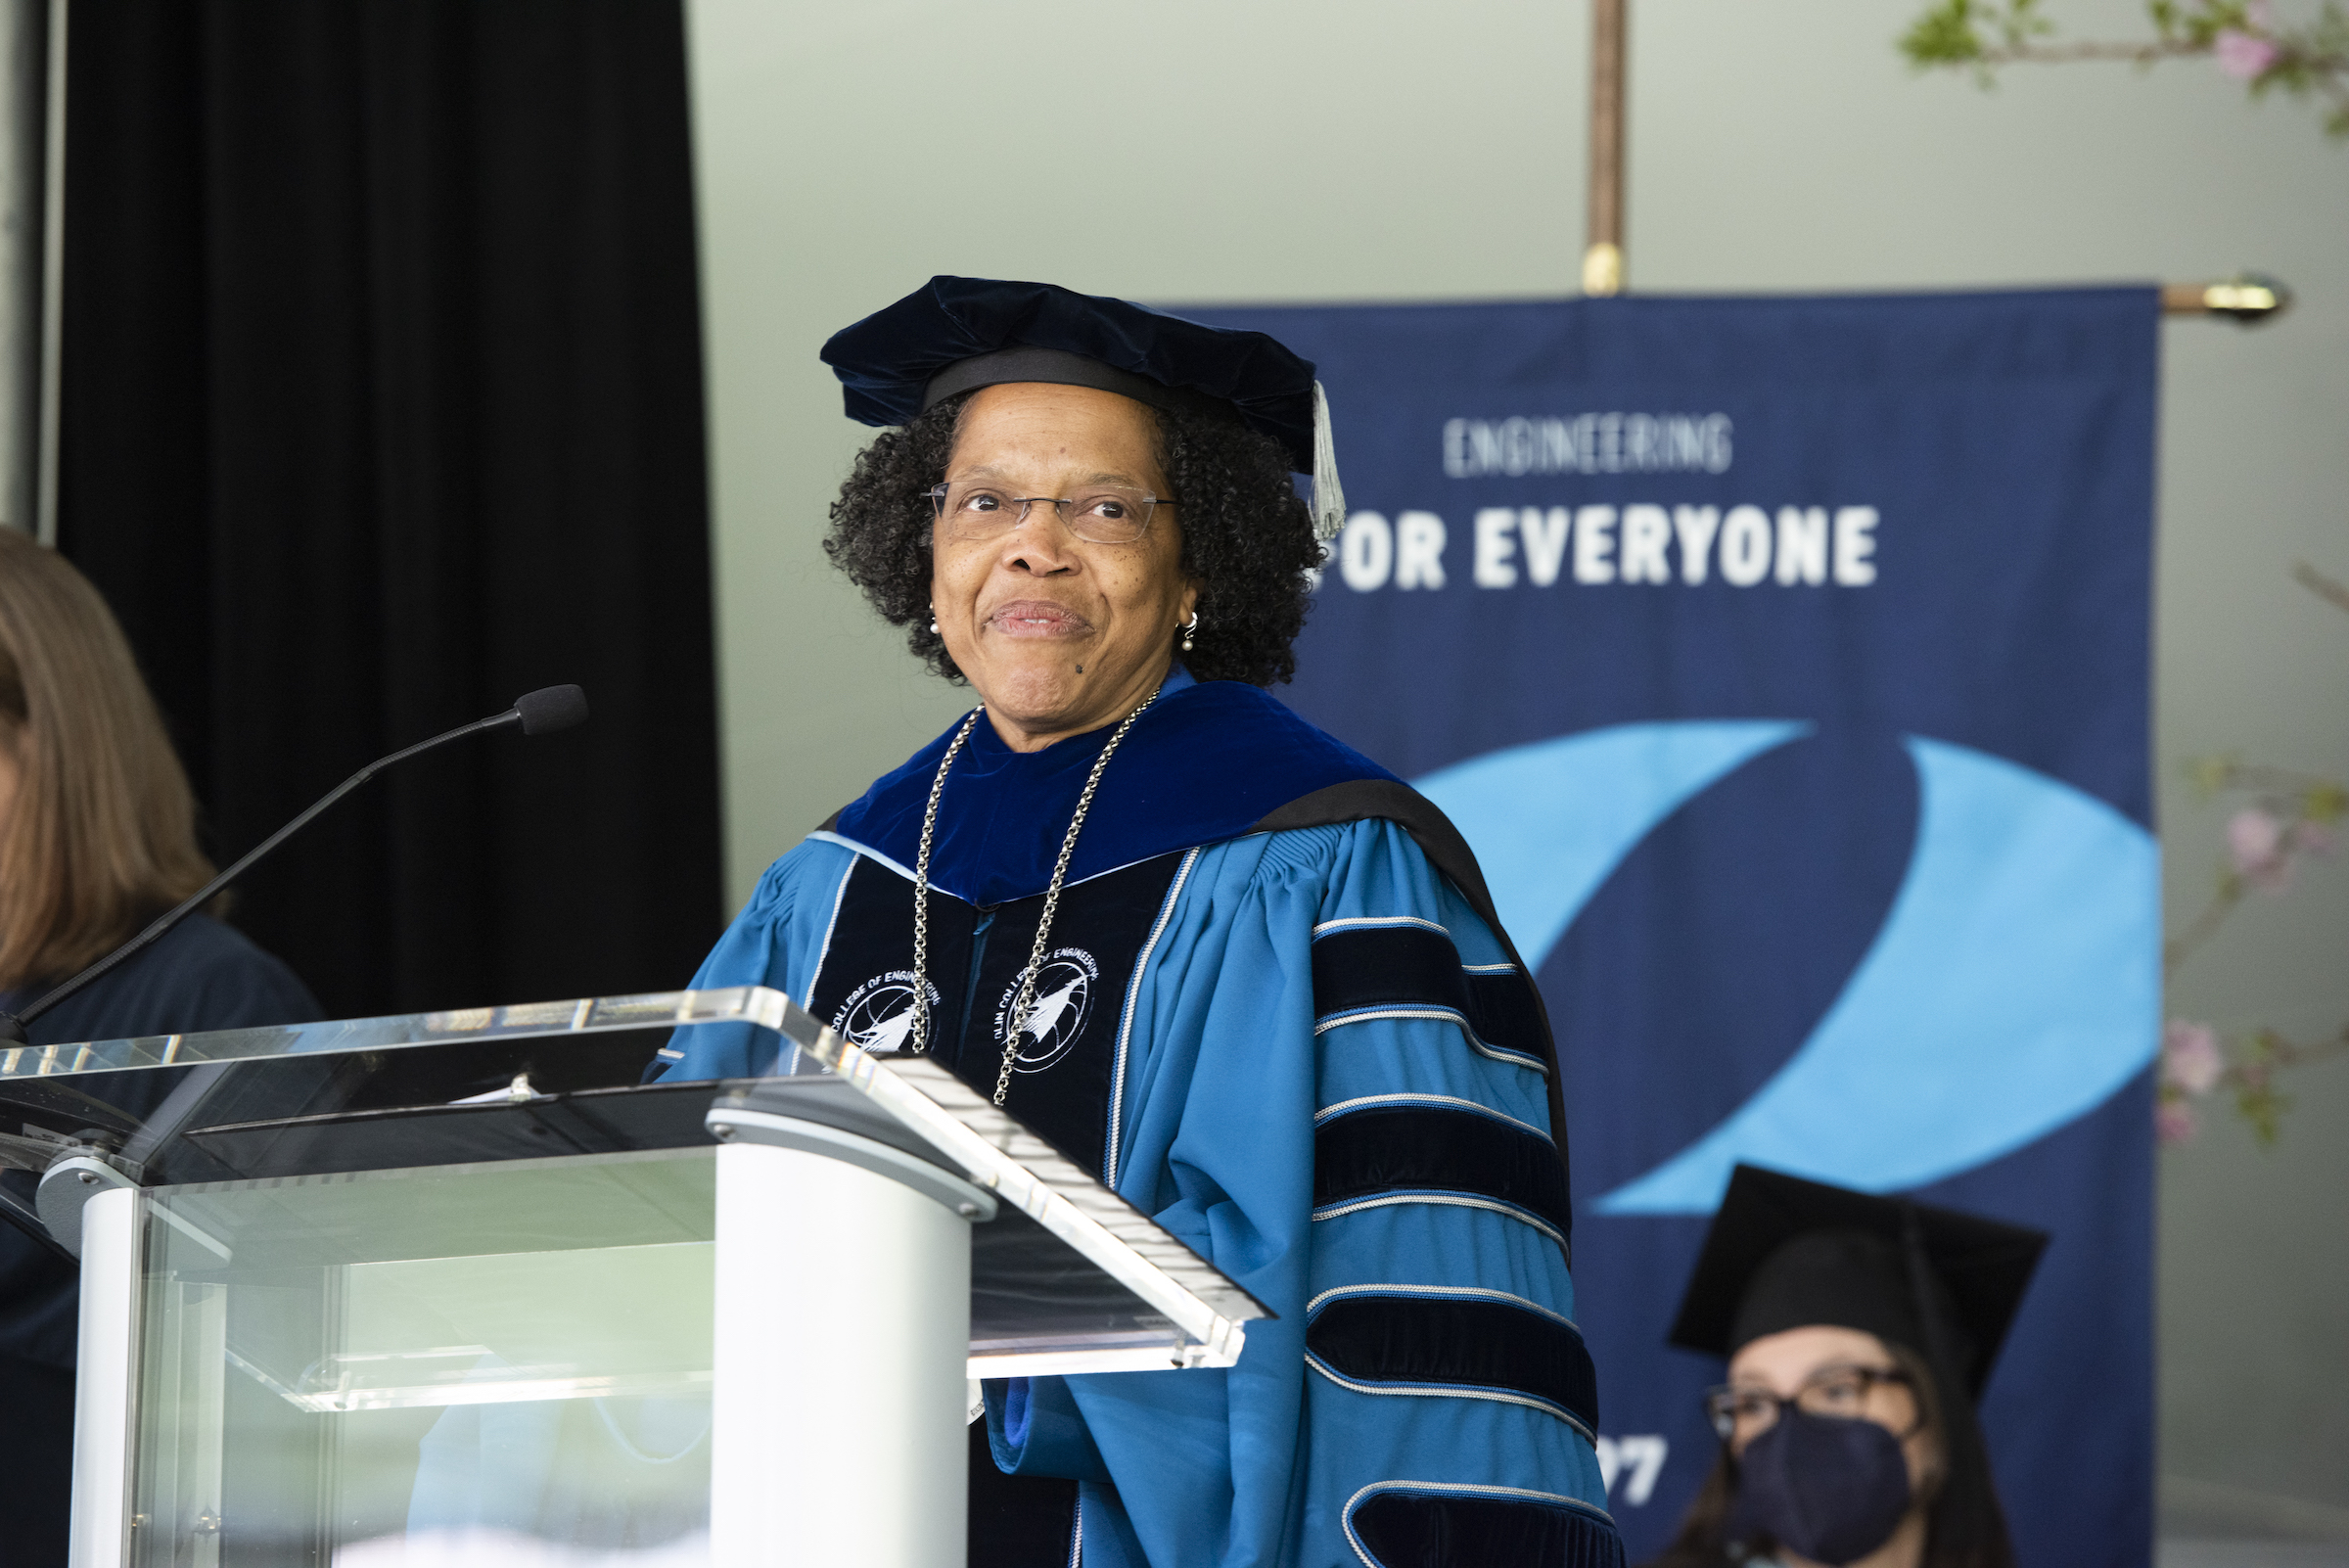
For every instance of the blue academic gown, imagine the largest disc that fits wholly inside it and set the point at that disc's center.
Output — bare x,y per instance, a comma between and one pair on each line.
203,975
1303,1051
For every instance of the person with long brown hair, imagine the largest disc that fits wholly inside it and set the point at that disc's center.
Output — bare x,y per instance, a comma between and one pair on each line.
97,837
1859,1332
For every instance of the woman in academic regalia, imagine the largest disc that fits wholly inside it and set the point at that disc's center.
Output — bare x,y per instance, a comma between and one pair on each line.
1859,1332
1240,972
97,837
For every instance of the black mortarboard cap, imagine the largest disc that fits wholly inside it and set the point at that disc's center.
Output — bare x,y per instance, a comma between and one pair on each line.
953,335
1785,1253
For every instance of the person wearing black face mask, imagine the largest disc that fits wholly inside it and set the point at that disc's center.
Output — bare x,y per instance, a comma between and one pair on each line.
1859,1332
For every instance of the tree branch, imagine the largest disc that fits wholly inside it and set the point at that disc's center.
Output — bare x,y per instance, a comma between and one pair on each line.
2322,586
2204,926
2136,54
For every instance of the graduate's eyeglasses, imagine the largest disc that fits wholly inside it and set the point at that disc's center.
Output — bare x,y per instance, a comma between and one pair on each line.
1104,514
1741,1415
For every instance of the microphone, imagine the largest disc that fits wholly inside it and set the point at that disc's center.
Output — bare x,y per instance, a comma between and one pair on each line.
538,713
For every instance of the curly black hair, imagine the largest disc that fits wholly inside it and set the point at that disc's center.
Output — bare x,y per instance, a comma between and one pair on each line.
1247,538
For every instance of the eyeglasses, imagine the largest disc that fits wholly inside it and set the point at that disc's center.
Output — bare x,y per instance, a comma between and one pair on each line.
1744,1413
1104,514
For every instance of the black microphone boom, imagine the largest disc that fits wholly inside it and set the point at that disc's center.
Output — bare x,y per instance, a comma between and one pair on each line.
541,713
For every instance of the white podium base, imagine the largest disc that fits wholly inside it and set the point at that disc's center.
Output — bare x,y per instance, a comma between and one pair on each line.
842,1340
101,1393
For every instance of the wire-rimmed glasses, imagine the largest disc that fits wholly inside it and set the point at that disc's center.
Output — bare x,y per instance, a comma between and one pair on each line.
1741,1415
1104,514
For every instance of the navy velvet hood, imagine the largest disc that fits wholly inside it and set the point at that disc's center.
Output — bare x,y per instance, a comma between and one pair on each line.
1207,762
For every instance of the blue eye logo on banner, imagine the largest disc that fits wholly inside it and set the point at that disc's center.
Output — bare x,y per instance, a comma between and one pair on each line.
2006,992
1785,662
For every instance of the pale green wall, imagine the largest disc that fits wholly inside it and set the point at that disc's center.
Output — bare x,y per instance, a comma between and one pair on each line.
1306,150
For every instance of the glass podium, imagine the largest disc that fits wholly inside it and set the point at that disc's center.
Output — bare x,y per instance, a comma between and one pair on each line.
330,1319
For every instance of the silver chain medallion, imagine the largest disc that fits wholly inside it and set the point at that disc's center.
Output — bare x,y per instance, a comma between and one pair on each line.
919,1034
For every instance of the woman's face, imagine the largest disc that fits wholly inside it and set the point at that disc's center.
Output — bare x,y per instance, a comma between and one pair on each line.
1813,1364
1058,634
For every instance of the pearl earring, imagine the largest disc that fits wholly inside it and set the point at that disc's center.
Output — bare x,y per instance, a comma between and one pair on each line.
1189,628
934,618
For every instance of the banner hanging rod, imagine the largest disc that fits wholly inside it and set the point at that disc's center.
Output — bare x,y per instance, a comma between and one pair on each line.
1602,255
2247,298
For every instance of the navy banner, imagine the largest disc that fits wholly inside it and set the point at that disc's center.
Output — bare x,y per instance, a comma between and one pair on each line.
1785,662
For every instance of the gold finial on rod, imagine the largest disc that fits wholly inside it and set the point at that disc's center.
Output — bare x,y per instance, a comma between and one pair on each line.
2247,297
1602,270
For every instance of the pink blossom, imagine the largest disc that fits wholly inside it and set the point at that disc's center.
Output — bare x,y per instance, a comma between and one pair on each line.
2261,851
2190,1057
2243,55
2175,1122
2253,837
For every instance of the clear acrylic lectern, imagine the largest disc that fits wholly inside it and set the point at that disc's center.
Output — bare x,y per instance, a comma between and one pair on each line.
324,1324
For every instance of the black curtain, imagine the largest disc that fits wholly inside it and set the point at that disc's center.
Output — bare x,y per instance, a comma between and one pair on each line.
382,406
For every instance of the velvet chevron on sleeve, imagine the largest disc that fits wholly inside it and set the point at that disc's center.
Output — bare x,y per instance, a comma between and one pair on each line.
1330,1096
